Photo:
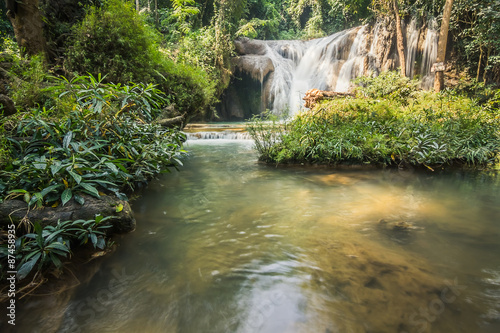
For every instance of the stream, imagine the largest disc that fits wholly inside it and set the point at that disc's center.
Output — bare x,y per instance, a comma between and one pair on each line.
228,244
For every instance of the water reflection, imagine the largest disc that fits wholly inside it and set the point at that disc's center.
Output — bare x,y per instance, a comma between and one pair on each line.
231,245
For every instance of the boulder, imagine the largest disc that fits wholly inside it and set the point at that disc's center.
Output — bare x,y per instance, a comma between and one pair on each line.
7,106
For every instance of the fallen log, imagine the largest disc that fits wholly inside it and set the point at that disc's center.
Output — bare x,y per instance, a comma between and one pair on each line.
313,96
172,122
16,211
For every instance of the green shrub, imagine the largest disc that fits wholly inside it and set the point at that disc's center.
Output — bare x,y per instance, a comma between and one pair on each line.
428,130
388,84
28,80
104,144
115,40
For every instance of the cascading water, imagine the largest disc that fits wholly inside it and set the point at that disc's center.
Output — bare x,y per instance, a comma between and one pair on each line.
313,64
429,55
330,63
353,66
412,34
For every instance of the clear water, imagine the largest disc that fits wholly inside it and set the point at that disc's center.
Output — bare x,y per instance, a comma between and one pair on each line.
231,245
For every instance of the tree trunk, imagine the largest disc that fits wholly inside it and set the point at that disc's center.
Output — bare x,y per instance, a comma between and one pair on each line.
399,39
443,40
485,73
137,7
157,23
28,26
479,63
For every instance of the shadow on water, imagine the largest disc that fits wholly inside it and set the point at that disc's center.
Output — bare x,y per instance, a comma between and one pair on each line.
231,245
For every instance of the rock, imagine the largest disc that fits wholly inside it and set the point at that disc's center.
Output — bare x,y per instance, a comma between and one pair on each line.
398,231
7,106
258,67
402,226
122,222
249,46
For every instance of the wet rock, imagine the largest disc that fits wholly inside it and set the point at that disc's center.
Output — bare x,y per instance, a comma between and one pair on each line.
399,231
17,211
249,46
258,67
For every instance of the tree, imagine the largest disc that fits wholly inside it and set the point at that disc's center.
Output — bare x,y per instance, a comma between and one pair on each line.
476,27
443,40
399,38
28,26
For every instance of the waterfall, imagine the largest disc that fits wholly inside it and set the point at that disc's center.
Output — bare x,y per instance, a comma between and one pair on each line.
330,63
412,34
300,66
429,54
354,62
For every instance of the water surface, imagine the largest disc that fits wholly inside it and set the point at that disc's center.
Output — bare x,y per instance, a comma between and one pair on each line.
231,245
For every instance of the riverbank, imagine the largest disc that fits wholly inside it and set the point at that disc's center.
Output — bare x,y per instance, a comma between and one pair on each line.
66,173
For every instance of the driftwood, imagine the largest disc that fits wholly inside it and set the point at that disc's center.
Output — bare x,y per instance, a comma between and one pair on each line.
313,96
16,211
172,122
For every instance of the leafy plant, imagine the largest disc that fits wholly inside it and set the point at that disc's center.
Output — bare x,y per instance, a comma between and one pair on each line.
46,246
42,247
427,130
104,144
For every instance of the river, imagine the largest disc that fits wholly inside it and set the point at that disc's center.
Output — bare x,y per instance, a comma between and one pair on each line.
228,244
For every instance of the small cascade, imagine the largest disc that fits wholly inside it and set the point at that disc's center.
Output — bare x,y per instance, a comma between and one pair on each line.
412,34
429,54
226,135
352,68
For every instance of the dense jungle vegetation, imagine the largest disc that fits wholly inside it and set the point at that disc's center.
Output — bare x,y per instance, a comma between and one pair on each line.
83,101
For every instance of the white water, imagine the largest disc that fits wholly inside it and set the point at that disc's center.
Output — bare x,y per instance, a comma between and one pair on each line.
429,55
412,33
226,135
353,68
325,64
308,65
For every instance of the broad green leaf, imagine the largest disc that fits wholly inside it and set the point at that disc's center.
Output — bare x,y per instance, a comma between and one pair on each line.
93,238
27,198
79,199
112,167
119,208
58,246
54,168
75,176
40,166
67,139
37,197
66,196
49,189
91,189
101,243
98,218
26,268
